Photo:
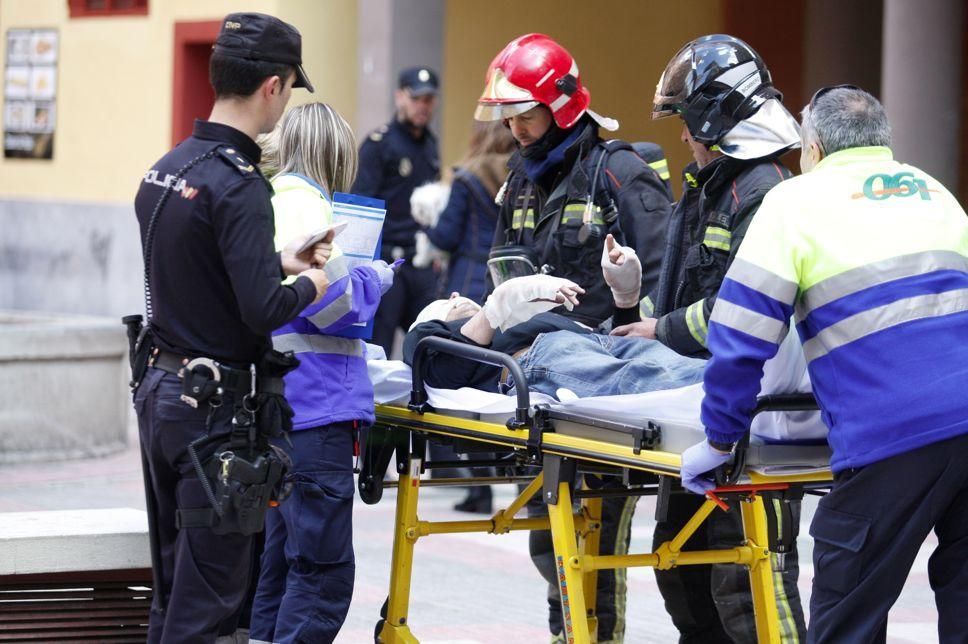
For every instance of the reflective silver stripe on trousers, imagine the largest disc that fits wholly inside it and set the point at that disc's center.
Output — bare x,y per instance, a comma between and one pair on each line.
763,281
749,322
336,309
303,343
887,270
884,317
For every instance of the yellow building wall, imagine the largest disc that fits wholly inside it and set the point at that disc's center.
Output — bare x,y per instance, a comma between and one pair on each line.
114,87
621,47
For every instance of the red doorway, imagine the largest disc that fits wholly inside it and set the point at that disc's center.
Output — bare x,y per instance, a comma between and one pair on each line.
192,95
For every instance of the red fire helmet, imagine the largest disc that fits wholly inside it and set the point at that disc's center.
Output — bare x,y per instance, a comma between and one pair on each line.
535,70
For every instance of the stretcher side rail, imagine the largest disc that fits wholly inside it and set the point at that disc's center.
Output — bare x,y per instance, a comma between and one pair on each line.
418,393
727,475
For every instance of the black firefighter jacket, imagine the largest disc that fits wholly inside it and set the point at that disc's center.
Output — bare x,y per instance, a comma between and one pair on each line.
706,229
547,217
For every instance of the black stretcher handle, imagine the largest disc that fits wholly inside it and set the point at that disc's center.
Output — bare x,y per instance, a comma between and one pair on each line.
729,475
418,392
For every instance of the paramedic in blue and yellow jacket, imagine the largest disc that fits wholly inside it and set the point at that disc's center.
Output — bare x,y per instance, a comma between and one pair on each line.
308,566
870,258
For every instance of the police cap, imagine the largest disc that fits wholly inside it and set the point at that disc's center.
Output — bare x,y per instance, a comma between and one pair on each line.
418,81
256,36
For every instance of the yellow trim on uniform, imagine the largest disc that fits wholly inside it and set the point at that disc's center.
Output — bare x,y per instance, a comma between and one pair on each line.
662,168
696,321
646,307
719,238
788,626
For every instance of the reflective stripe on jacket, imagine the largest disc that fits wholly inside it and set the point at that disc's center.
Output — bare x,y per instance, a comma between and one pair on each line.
871,256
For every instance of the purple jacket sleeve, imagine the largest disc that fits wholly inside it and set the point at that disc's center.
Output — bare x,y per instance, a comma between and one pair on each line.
353,296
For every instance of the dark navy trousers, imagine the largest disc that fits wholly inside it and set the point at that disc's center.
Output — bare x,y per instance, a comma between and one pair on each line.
306,578
204,576
867,533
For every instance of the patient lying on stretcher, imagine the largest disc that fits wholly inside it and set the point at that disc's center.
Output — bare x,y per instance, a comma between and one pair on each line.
565,359
554,351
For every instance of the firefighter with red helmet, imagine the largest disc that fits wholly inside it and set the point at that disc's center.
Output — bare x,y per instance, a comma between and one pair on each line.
568,189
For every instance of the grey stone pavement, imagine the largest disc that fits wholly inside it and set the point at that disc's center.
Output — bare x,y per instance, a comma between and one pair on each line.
466,589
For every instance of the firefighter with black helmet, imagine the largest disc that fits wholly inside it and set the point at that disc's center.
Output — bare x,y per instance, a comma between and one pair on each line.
567,190
736,128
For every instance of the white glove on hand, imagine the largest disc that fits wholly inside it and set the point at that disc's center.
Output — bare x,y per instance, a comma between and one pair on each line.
385,272
623,273
698,462
427,202
520,299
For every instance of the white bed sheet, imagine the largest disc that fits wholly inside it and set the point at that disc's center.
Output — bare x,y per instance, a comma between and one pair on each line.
785,373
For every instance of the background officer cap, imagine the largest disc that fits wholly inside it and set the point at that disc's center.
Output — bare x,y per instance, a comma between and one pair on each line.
256,36
418,81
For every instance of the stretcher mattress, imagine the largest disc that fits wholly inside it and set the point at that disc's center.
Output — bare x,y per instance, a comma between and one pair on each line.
674,411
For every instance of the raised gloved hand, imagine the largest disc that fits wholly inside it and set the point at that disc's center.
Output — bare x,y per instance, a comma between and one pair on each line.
623,273
385,272
521,298
698,463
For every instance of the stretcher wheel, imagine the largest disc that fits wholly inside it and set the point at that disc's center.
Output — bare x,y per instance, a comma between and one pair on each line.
380,622
371,489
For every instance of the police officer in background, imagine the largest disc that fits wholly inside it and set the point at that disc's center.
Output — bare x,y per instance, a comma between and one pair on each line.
214,292
394,159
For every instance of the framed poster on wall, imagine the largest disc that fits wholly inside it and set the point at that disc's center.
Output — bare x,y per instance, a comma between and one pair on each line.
30,93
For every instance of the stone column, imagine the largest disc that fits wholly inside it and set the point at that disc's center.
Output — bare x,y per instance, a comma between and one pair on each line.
922,83
392,35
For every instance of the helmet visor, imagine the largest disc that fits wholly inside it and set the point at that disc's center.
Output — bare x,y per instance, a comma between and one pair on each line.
501,111
675,85
509,266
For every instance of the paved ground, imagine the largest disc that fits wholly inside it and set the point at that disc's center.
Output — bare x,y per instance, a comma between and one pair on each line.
466,588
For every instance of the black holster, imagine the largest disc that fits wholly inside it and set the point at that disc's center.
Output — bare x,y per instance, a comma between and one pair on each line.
245,474
139,347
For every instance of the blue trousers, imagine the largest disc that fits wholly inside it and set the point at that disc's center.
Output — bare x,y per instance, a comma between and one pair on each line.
204,575
591,364
867,533
306,578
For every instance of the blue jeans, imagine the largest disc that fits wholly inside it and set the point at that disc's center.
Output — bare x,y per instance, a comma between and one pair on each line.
591,364
306,579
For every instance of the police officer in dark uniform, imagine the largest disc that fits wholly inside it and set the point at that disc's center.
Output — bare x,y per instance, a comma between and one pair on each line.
394,159
214,293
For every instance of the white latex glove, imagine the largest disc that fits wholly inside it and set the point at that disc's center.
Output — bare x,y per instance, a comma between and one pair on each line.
427,202
520,299
623,273
386,273
698,463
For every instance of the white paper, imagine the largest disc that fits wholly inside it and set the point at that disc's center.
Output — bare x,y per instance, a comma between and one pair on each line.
364,225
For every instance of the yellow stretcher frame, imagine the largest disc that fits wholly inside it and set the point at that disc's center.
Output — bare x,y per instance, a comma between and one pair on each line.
574,534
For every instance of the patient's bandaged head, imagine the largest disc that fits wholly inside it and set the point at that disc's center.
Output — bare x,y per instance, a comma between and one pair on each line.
454,308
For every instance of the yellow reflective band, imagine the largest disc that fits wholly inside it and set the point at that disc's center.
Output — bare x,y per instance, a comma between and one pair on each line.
662,167
718,238
646,307
577,211
696,321
691,180
516,219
